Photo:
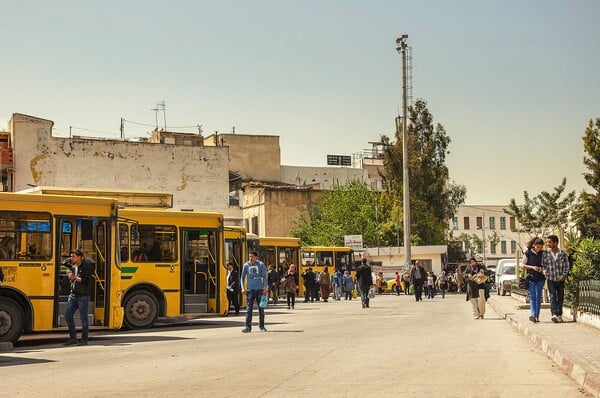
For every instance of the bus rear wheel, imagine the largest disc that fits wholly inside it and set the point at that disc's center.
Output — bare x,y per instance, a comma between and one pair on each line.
11,320
141,310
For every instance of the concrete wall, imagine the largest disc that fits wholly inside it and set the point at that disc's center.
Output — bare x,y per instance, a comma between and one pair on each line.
197,177
325,177
276,208
255,157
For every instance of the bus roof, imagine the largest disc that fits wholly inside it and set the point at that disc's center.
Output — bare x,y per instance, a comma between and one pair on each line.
138,198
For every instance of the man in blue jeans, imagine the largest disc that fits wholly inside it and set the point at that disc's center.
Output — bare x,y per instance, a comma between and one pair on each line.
254,285
80,277
557,267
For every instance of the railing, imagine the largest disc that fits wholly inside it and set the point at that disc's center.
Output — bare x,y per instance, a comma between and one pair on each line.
589,297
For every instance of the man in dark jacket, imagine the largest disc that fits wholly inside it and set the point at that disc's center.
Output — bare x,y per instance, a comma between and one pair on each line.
233,288
364,278
273,277
418,276
80,277
308,278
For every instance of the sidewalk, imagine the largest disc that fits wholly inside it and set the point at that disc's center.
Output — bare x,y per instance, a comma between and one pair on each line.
574,347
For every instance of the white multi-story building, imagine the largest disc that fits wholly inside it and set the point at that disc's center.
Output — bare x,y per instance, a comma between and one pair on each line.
487,232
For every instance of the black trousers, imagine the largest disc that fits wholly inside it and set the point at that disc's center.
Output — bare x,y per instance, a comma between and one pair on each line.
233,298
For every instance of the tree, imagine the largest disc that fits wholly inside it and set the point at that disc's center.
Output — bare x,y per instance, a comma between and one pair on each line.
587,213
544,213
433,198
350,209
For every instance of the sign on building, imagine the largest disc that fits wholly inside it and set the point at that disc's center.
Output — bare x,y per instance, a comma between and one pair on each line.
355,242
339,160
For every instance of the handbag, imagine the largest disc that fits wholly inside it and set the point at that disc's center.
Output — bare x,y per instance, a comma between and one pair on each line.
523,282
480,278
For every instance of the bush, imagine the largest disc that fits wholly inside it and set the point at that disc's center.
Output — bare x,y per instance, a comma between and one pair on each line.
585,267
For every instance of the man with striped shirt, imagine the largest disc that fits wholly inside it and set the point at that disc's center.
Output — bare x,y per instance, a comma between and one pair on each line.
555,262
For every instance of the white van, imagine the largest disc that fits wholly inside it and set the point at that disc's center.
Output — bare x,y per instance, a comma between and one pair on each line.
505,275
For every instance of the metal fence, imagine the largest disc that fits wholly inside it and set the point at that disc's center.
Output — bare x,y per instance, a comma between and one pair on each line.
589,296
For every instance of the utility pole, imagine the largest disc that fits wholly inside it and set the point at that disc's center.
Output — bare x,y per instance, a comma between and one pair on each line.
401,47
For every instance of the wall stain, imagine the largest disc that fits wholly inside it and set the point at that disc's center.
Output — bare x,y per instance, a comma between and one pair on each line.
36,175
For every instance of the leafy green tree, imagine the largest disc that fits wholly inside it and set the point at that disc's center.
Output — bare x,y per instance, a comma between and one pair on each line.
586,267
350,209
587,213
545,212
433,198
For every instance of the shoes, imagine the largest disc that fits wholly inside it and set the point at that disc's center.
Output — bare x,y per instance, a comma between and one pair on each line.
263,329
71,342
82,342
476,316
560,320
532,318
554,319
288,307
292,307
246,330
363,305
480,316
537,319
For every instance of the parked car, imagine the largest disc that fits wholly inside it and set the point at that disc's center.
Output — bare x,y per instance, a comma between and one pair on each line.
505,276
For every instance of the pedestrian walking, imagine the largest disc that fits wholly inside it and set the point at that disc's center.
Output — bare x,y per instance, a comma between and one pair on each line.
430,284
398,283
308,279
80,277
476,288
273,277
233,288
347,285
337,285
291,286
532,263
254,284
556,265
364,278
406,283
325,283
417,278
443,283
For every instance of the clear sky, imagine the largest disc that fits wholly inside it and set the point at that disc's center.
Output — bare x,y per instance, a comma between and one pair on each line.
513,82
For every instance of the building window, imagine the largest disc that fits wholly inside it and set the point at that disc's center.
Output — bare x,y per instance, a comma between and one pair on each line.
513,224
503,247
466,221
454,223
502,222
492,222
513,247
492,248
479,222
254,228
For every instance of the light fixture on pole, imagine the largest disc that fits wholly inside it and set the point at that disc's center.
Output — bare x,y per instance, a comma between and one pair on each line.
401,47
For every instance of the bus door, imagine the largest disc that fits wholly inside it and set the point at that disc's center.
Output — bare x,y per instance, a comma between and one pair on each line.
199,259
92,236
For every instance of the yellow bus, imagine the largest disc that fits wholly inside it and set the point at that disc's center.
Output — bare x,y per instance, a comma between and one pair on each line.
334,257
172,264
279,252
37,234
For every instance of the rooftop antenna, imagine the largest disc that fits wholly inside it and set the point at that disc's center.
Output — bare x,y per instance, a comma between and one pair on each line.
156,116
161,105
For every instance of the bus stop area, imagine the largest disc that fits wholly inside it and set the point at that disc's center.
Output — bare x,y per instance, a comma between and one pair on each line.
573,347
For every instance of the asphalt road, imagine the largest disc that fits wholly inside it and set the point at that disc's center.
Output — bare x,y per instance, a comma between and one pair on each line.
398,347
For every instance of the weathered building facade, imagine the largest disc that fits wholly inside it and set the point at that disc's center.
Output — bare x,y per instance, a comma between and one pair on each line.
197,176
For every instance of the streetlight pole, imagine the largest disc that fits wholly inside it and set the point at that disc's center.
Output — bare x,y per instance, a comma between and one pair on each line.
401,47
483,234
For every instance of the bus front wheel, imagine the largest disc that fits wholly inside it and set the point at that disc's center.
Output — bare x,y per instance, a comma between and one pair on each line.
11,320
141,310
